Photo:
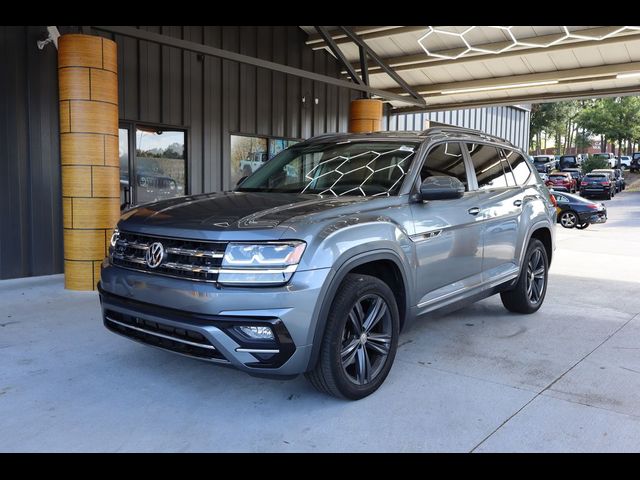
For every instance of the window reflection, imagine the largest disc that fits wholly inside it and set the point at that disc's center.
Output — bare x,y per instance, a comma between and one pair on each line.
160,164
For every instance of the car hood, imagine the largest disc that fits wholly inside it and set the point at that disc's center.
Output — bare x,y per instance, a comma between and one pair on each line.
228,211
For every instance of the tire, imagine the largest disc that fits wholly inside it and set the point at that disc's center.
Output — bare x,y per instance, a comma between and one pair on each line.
345,368
568,219
608,196
520,299
582,226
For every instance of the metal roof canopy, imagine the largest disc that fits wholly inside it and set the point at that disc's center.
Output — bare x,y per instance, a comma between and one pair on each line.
460,66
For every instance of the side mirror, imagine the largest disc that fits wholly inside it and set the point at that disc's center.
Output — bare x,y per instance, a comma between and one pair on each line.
441,188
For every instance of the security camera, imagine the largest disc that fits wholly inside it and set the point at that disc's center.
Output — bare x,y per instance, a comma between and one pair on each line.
54,34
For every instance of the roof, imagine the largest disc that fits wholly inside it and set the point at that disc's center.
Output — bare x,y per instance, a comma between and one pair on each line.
464,66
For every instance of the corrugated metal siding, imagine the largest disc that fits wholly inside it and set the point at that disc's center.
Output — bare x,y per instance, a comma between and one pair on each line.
210,97
506,122
30,205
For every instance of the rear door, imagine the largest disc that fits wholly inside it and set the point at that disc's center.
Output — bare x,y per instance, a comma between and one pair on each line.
500,201
447,235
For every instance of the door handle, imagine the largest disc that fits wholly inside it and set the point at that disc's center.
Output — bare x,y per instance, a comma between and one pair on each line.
474,211
518,203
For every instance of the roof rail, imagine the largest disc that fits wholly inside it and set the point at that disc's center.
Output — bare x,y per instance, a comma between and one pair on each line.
465,130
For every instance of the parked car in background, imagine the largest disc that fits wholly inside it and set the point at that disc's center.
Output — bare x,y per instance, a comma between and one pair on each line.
544,163
562,181
616,174
625,161
543,176
634,166
576,173
598,184
608,157
574,211
317,274
570,161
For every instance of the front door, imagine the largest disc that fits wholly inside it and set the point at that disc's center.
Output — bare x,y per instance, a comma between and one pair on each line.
447,233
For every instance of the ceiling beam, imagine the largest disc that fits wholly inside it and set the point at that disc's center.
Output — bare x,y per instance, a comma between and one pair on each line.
340,38
586,74
364,48
257,62
421,60
510,101
315,38
341,58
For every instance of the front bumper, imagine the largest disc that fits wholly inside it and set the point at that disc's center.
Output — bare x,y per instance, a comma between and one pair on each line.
197,319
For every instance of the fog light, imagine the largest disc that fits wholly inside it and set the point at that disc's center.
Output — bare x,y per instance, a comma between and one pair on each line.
257,333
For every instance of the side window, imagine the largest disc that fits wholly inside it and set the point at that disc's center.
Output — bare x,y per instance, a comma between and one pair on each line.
519,166
445,159
561,199
488,166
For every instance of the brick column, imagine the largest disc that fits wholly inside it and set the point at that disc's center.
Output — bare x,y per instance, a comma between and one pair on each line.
365,115
88,85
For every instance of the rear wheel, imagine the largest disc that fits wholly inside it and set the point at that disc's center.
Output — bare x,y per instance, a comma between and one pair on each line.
360,339
582,226
528,293
608,195
568,219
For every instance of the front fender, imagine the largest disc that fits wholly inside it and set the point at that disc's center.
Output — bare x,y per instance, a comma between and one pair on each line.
333,282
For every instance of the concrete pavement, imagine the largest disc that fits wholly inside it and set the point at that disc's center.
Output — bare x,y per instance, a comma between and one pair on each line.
481,379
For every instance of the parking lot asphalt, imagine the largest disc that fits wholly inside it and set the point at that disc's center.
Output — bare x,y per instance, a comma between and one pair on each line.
480,379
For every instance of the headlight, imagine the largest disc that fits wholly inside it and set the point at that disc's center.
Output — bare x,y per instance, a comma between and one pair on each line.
260,263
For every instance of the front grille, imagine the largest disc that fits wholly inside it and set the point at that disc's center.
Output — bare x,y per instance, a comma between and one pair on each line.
189,259
180,340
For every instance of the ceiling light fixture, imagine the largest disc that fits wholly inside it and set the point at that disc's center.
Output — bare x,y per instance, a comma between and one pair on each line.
465,46
628,75
497,87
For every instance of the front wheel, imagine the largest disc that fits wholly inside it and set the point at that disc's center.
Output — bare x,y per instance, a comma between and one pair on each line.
528,293
360,340
582,226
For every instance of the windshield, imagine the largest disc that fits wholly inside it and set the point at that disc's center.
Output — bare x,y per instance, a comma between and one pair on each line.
351,168
541,159
601,156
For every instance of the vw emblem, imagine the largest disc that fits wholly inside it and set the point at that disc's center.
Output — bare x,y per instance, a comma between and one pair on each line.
154,255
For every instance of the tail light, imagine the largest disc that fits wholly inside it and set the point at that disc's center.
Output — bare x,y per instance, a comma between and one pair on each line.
584,183
553,200
605,184
592,206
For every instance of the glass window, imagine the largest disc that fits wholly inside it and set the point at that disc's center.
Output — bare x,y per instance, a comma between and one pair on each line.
354,168
123,153
276,145
488,166
519,166
445,159
247,155
160,164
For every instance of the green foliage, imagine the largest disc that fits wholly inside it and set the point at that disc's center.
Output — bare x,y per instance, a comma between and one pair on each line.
617,119
591,164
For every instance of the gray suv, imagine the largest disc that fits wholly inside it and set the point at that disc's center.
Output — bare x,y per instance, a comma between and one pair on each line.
317,261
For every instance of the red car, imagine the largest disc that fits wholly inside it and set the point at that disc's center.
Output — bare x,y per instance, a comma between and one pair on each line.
560,181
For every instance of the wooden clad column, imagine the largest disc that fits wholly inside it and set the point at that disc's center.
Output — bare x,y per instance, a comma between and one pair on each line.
88,84
365,115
